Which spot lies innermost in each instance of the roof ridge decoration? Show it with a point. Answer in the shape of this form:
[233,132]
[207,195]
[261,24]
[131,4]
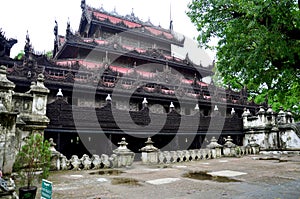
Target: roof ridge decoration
[6,44]
[130,17]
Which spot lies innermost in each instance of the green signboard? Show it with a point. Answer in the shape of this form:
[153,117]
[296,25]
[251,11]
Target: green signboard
[46,192]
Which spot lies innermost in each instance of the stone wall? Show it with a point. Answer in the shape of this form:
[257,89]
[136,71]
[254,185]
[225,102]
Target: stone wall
[272,130]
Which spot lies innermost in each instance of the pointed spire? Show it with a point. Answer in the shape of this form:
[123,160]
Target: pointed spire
[27,47]
[171,21]
[68,30]
[55,49]
[101,8]
[83,4]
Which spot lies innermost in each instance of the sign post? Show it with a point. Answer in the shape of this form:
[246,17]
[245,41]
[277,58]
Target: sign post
[46,192]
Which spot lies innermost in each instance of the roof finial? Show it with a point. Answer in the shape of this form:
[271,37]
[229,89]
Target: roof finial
[171,21]
[82,4]
[101,8]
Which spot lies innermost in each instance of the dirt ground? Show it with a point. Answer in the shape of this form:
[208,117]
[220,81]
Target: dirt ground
[255,176]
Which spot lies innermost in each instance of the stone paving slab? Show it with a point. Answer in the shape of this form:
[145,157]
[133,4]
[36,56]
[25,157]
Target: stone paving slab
[227,173]
[162,181]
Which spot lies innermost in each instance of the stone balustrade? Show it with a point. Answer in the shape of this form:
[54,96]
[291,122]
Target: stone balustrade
[123,157]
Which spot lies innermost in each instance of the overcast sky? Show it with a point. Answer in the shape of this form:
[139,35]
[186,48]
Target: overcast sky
[38,16]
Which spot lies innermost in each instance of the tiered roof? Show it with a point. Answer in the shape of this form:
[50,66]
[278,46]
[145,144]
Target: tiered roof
[127,23]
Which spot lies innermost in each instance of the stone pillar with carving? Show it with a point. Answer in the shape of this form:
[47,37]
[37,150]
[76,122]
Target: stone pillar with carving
[37,121]
[216,149]
[7,123]
[55,156]
[149,153]
[229,147]
[124,156]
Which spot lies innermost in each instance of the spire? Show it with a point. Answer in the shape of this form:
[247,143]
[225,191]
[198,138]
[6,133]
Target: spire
[55,49]
[68,30]
[27,47]
[171,21]
[83,4]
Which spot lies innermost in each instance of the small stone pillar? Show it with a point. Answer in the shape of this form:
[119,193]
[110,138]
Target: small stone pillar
[8,116]
[271,120]
[124,157]
[245,116]
[261,114]
[55,156]
[216,149]
[229,147]
[149,153]
[39,92]
[254,146]
[281,116]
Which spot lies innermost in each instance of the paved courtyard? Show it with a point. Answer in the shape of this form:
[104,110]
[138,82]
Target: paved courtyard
[255,176]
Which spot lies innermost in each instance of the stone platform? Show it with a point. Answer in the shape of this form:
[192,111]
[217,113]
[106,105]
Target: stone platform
[254,176]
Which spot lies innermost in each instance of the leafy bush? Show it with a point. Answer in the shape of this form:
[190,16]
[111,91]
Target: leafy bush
[34,157]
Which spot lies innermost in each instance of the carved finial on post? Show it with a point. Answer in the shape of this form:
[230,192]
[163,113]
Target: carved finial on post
[145,103]
[232,111]
[216,108]
[172,107]
[108,99]
[59,93]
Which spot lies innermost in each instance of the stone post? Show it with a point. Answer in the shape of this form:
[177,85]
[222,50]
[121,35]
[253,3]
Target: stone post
[149,153]
[254,146]
[8,118]
[55,156]
[245,116]
[271,116]
[124,156]
[37,121]
[261,114]
[229,147]
[216,149]
[281,116]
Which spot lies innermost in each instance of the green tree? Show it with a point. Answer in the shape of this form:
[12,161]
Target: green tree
[258,46]
[34,155]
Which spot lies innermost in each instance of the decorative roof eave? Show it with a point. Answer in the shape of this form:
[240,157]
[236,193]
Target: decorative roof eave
[123,52]
[188,60]
[61,50]
[138,32]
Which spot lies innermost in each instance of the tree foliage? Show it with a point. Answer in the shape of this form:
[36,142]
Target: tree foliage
[258,47]
[34,155]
